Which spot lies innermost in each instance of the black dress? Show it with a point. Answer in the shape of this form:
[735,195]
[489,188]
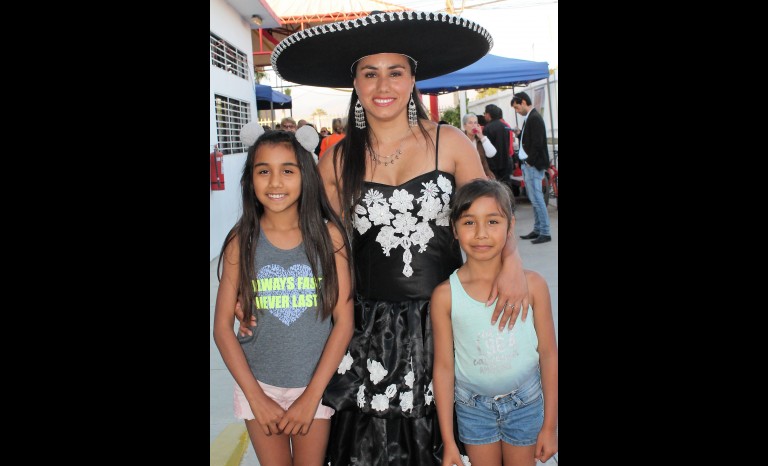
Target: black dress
[403,247]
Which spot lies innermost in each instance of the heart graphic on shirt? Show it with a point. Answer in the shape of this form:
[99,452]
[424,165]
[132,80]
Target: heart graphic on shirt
[278,287]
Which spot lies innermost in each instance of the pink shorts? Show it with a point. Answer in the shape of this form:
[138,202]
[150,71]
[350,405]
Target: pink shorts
[282,396]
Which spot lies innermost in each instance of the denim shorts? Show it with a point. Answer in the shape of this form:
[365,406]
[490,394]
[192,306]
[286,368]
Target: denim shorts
[516,417]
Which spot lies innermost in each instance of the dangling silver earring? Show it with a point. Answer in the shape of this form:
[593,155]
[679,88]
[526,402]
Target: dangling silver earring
[359,115]
[412,117]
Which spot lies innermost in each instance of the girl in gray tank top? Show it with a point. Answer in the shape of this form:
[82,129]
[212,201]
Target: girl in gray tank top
[286,262]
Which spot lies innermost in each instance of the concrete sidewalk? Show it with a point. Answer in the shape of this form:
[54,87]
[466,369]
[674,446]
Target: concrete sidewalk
[230,445]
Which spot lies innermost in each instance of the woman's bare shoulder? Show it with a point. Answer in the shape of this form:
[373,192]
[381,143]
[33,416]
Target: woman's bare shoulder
[453,139]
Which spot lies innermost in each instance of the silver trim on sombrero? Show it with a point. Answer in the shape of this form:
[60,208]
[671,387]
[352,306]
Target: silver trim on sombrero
[372,19]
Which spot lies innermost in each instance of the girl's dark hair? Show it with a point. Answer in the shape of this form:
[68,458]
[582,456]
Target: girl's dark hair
[352,149]
[314,210]
[468,193]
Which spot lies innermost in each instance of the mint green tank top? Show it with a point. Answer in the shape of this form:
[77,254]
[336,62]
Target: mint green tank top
[489,362]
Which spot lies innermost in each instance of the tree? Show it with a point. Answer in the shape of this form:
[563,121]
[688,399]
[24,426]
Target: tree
[259,75]
[452,116]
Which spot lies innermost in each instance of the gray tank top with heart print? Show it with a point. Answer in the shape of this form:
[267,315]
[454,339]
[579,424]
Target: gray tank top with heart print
[289,336]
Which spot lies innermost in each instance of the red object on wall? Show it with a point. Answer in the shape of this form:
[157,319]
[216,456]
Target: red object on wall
[217,175]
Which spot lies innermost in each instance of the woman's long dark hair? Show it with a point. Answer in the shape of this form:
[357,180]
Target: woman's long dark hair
[352,150]
[314,210]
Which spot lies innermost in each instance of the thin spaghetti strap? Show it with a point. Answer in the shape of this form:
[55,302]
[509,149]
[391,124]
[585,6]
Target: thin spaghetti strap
[437,143]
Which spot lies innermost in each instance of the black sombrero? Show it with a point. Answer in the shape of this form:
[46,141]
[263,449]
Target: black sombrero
[323,55]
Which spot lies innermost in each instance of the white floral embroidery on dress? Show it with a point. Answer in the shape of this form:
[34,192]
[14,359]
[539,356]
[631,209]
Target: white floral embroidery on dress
[428,394]
[443,218]
[361,396]
[406,400]
[387,239]
[401,200]
[405,224]
[422,235]
[346,364]
[445,185]
[405,230]
[380,402]
[380,214]
[373,197]
[430,208]
[391,391]
[362,224]
[409,378]
[377,371]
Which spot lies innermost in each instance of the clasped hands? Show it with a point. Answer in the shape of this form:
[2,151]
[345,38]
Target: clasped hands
[273,419]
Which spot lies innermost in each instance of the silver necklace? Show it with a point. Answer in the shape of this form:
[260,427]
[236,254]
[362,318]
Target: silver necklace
[387,159]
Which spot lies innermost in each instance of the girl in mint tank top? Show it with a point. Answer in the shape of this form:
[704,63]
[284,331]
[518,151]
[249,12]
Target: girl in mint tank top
[503,383]
[286,261]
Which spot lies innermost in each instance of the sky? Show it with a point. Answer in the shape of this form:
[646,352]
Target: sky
[522,29]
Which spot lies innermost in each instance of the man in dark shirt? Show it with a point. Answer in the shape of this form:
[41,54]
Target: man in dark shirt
[498,134]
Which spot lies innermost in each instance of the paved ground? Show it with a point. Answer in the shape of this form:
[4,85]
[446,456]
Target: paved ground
[539,257]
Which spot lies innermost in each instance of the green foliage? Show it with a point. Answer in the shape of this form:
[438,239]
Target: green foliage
[452,116]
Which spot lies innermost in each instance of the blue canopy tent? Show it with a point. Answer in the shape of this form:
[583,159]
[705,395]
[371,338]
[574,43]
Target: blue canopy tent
[490,71]
[269,99]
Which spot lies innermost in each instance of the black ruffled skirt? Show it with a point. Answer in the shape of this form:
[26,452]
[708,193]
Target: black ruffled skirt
[385,407]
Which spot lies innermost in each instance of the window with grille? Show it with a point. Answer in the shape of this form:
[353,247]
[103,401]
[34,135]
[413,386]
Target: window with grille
[231,115]
[227,57]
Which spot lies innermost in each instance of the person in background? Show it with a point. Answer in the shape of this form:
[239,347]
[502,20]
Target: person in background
[515,169]
[512,144]
[485,149]
[287,238]
[498,133]
[323,134]
[391,179]
[288,124]
[504,386]
[534,160]
[338,134]
[301,123]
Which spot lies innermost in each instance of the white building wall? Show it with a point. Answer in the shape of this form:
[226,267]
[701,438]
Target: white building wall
[226,205]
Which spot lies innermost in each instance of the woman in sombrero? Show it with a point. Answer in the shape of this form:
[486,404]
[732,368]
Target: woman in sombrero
[391,179]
